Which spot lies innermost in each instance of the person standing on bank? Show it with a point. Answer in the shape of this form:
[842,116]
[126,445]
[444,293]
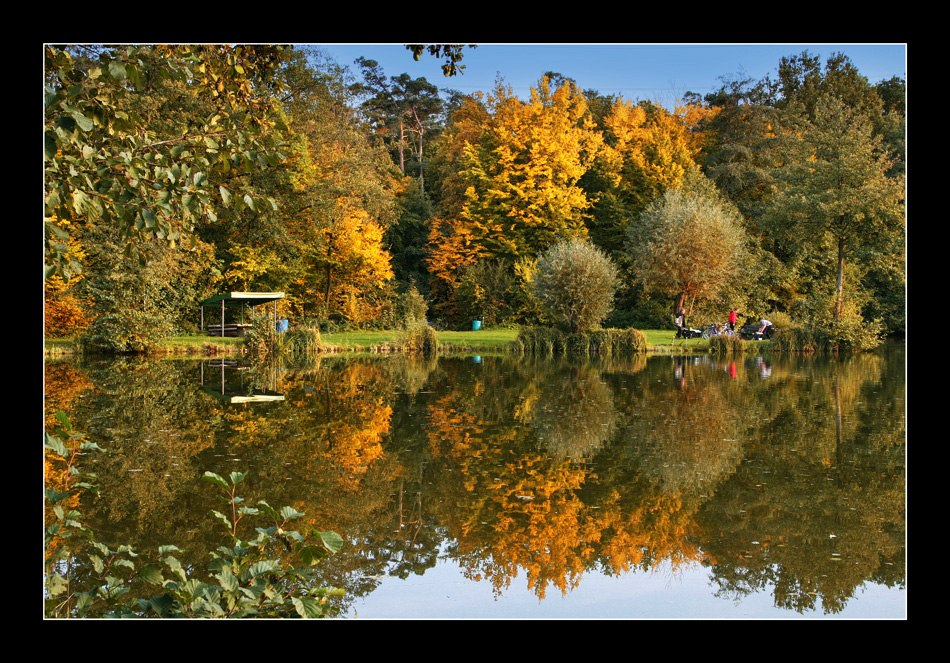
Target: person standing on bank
[733,315]
[681,323]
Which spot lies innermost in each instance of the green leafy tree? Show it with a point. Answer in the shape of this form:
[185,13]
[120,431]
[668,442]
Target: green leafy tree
[105,163]
[833,190]
[405,108]
[135,305]
[450,53]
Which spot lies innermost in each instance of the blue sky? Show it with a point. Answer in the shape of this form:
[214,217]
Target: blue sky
[657,72]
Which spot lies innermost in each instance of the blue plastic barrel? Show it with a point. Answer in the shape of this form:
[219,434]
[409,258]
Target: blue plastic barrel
[476,325]
[282,325]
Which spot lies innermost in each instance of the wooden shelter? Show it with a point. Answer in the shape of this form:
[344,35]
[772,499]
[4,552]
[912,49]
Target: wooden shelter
[234,300]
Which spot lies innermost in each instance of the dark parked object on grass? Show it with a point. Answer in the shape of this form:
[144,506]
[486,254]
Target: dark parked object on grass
[688,333]
[752,333]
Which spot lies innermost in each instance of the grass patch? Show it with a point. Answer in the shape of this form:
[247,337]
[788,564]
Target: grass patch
[484,340]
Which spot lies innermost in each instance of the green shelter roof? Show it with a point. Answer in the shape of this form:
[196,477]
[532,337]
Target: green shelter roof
[240,298]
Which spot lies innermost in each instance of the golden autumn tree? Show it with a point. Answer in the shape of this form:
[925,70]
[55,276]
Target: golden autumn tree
[646,150]
[522,176]
[516,185]
[514,508]
[64,312]
[344,201]
[352,261]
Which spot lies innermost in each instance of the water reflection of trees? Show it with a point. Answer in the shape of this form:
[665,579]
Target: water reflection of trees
[817,508]
[544,470]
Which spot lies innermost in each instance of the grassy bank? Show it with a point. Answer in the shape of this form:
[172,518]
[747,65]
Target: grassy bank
[497,340]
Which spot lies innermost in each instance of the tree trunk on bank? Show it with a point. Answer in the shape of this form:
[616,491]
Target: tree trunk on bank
[680,301]
[839,287]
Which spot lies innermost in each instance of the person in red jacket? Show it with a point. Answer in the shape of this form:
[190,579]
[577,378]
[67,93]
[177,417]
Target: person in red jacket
[732,318]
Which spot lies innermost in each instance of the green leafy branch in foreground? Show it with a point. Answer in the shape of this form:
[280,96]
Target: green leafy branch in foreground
[270,575]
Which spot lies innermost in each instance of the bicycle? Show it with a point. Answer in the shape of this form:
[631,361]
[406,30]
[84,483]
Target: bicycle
[716,329]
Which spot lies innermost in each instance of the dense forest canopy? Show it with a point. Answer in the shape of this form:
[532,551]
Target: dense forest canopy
[173,173]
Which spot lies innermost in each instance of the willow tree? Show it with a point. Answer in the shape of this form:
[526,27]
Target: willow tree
[575,284]
[688,244]
[833,191]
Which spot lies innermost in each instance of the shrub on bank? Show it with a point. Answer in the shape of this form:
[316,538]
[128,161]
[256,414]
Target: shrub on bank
[551,341]
[726,345]
[419,338]
[820,334]
[302,342]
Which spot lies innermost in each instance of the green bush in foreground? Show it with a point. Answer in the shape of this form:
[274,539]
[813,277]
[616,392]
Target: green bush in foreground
[269,575]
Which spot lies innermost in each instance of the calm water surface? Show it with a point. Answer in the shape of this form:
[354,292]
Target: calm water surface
[495,487]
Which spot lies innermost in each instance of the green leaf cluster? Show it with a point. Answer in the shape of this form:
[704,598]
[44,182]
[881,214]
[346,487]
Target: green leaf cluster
[268,575]
[104,161]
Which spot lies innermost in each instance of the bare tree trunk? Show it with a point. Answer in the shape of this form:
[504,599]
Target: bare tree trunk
[402,142]
[419,156]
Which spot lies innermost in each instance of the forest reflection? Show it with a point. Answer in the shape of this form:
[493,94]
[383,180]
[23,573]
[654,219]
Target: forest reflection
[783,476]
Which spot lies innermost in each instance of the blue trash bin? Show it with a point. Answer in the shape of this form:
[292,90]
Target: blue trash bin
[476,325]
[283,325]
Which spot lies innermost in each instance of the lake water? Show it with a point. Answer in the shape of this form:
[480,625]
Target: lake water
[507,488]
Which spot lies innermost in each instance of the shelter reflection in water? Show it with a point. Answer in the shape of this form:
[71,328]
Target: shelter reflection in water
[225,379]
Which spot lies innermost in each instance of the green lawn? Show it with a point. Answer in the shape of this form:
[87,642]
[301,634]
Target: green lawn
[484,340]
[492,339]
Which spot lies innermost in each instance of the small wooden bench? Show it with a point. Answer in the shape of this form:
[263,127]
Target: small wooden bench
[229,330]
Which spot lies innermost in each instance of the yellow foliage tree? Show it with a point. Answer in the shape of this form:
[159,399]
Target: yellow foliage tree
[521,178]
[344,260]
[514,185]
[353,261]
[646,150]
[64,313]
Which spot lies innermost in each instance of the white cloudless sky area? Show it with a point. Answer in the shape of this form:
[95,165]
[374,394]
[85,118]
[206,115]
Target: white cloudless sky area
[654,72]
